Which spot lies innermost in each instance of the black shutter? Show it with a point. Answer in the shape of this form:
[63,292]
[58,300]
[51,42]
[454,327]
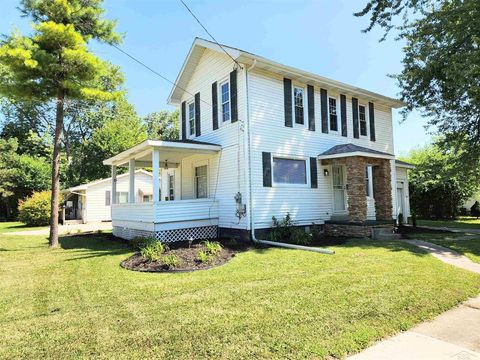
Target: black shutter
[371,114]
[287,101]
[323,104]
[184,120]
[233,96]
[311,107]
[313,173]
[267,169]
[356,134]
[343,110]
[197,114]
[214,106]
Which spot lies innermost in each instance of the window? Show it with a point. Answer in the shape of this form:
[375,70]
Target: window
[191,117]
[362,114]
[147,198]
[298,95]
[289,171]
[107,198]
[225,100]
[332,111]
[368,180]
[171,187]
[122,197]
[201,181]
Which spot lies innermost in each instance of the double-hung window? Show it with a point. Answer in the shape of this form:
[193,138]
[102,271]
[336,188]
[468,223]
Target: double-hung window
[201,182]
[191,117]
[225,100]
[362,115]
[332,112]
[289,171]
[298,105]
[122,197]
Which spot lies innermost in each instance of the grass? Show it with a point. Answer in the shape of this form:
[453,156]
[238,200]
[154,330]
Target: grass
[470,248]
[6,227]
[463,222]
[77,302]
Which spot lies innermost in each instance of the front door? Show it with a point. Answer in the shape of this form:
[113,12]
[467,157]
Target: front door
[338,189]
[400,202]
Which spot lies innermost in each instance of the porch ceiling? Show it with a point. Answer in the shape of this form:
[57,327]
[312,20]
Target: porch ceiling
[171,151]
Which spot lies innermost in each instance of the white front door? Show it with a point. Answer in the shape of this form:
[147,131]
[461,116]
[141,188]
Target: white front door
[338,189]
[400,202]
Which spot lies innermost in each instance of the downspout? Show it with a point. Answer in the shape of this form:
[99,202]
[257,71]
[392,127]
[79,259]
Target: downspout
[249,184]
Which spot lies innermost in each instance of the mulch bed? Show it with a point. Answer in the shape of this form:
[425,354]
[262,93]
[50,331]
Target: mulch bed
[187,256]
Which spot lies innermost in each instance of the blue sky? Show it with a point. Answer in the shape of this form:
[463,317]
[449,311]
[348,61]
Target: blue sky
[320,36]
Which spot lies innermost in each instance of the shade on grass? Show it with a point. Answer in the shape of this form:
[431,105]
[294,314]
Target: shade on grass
[469,248]
[275,303]
[6,227]
[463,222]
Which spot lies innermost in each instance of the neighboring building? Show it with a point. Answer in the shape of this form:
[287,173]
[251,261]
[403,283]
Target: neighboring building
[91,202]
[263,139]
[467,205]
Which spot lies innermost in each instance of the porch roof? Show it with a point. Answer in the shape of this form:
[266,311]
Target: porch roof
[172,151]
[347,150]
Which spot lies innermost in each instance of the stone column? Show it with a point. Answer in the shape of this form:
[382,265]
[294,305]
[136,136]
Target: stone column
[382,189]
[356,190]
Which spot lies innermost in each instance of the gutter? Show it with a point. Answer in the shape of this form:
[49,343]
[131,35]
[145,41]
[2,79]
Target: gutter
[249,185]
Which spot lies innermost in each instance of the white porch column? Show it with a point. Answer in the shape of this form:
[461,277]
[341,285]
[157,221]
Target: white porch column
[156,174]
[114,184]
[131,181]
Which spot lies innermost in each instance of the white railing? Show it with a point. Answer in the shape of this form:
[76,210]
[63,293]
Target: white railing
[141,212]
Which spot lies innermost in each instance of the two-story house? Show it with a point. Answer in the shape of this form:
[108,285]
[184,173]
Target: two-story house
[262,139]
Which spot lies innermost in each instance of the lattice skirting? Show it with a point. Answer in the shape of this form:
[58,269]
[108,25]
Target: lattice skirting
[197,233]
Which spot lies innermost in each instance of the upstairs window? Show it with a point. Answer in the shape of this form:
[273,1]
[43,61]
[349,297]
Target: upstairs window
[298,98]
[289,171]
[362,115]
[225,100]
[191,117]
[332,112]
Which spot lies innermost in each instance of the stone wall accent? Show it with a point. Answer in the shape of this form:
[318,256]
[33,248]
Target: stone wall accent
[348,230]
[382,189]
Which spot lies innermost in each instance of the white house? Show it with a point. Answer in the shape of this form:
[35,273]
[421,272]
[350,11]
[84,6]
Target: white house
[262,139]
[91,202]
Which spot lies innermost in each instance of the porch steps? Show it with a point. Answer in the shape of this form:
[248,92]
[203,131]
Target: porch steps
[385,233]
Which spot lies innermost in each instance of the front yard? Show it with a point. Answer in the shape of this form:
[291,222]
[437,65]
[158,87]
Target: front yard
[464,222]
[275,303]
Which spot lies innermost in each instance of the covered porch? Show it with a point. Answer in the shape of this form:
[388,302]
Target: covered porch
[182,205]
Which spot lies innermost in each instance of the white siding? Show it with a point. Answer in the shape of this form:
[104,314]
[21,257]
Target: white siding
[401,180]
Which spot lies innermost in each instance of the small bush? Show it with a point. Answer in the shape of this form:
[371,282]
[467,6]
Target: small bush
[139,243]
[35,210]
[153,250]
[170,261]
[285,231]
[203,257]
[300,237]
[213,247]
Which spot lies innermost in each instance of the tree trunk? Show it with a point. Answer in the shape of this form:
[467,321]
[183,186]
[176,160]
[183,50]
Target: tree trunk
[53,239]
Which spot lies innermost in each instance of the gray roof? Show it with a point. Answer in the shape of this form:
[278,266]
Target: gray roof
[400,162]
[350,148]
[187,141]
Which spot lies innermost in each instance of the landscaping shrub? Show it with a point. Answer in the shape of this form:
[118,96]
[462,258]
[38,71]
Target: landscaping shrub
[285,231]
[35,210]
[213,247]
[203,256]
[170,261]
[153,250]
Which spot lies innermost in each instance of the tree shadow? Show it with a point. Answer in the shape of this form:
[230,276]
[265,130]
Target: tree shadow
[94,245]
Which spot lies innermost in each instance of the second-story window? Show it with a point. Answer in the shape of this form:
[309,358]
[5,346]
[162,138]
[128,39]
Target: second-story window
[332,112]
[191,117]
[362,114]
[298,96]
[225,100]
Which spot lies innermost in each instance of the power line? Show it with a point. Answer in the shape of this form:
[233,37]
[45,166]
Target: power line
[204,28]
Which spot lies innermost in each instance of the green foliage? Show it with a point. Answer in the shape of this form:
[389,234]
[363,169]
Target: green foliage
[170,261]
[35,210]
[212,247]
[203,256]
[285,231]
[441,61]
[152,250]
[475,209]
[162,125]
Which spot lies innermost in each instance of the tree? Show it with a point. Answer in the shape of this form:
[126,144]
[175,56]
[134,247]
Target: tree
[162,125]
[8,163]
[441,63]
[55,64]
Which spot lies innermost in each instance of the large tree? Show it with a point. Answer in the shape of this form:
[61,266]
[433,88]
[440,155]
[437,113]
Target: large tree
[162,125]
[54,64]
[441,64]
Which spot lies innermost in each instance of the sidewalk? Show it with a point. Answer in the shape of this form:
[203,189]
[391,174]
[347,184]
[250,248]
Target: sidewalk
[453,335]
[68,229]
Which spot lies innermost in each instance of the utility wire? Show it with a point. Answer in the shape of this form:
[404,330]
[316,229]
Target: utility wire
[204,28]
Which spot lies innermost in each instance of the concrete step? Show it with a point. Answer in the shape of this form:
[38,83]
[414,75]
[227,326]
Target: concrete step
[384,233]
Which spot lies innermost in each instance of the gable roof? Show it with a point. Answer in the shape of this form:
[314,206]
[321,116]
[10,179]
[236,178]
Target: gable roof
[95,182]
[244,57]
[344,150]
[400,163]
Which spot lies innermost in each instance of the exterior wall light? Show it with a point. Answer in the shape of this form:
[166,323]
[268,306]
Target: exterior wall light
[325,172]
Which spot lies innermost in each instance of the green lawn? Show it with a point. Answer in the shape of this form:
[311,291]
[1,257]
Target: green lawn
[77,302]
[464,222]
[469,248]
[6,227]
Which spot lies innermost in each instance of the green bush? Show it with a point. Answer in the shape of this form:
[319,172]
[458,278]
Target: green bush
[285,231]
[152,250]
[35,210]
[203,257]
[170,261]
[213,247]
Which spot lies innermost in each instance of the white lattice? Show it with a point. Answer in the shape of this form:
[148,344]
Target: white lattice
[198,233]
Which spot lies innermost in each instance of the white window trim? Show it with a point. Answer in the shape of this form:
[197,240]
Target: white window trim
[189,135]
[337,99]
[305,110]
[219,96]
[370,181]
[291,157]
[195,165]
[366,120]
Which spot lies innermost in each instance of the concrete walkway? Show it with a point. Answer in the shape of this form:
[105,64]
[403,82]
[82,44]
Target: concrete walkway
[453,335]
[68,229]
